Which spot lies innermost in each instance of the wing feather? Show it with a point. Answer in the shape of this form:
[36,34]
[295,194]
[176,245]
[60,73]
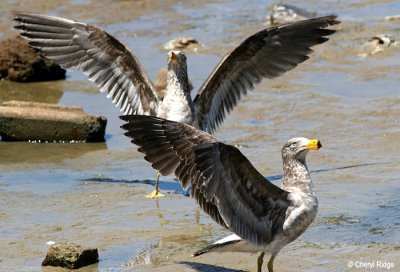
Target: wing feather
[246,201]
[104,60]
[173,142]
[266,54]
[223,182]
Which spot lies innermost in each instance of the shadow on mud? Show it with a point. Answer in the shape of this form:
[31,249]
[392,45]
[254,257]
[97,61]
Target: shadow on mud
[167,187]
[208,267]
[173,187]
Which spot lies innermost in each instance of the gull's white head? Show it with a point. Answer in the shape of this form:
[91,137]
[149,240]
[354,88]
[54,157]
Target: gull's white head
[176,58]
[297,148]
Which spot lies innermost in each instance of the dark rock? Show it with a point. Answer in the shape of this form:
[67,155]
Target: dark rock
[23,121]
[19,62]
[70,256]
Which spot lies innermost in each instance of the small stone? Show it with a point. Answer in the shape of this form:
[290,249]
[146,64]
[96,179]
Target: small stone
[70,255]
[19,62]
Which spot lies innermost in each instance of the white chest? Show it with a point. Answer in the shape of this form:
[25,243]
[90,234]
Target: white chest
[300,215]
[176,107]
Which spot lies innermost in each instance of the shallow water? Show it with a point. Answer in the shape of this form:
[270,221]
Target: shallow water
[92,194]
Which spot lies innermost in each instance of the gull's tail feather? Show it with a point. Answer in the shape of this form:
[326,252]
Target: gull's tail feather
[220,245]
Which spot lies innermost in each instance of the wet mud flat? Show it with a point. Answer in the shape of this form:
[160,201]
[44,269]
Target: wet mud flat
[92,194]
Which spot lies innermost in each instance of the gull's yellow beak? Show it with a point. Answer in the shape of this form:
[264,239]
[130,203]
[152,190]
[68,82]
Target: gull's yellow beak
[172,56]
[314,144]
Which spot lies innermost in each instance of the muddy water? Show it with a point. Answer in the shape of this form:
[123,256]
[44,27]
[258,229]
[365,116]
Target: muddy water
[92,194]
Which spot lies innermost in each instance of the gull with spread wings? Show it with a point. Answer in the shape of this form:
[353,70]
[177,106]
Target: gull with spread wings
[268,53]
[263,217]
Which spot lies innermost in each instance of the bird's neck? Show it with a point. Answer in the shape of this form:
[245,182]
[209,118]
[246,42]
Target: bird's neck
[177,104]
[303,199]
[177,83]
[296,175]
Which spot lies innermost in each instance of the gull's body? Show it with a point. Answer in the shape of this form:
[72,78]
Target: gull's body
[263,217]
[177,104]
[115,69]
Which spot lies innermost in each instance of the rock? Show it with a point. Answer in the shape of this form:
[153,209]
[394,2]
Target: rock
[19,62]
[161,82]
[70,256]
[181,43]
[23,121]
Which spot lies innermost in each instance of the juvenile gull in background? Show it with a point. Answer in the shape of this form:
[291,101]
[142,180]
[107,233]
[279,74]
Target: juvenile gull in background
[268,53]
[376,44]
[263,217]
[283,14]
[181,43]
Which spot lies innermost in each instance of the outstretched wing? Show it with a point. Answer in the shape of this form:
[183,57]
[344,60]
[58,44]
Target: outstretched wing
[224,182]
[160,140]
[167,146]
[102,58]
[250,205]
[266,54]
